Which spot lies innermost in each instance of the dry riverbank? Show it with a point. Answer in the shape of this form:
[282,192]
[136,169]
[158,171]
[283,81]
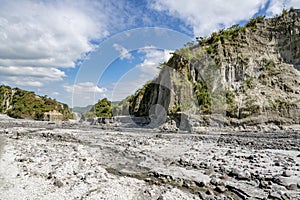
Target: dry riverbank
[71,161]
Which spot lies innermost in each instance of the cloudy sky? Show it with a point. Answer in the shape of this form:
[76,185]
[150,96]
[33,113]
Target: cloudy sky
[80,51]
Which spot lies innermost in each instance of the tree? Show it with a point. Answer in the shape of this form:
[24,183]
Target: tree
[103,108]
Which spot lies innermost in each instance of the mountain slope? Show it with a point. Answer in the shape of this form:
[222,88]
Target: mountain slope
[19,103]
[242,75]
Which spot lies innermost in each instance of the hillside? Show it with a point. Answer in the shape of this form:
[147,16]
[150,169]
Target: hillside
[240,76]
[23,104]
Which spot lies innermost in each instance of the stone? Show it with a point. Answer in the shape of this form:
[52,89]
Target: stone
[202,195]
[274,195]
[234,172]
[263,184]
[277,163]
[287,173]
[209,192]
[223,177]
[214,181]
[285,196]
[201,183]
[58,183]
[292,187]
[245,175]
[221,189]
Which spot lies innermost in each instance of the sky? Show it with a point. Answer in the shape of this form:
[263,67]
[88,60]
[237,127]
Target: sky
[78,52]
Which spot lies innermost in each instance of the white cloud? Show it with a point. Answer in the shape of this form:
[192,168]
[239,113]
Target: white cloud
[49,74]
[152,59]
[55,93]
[24,81]
[36,37]
[84,93]
[207,16]
[276,6]
[30,76]
[83,88]
[143,72]
[124,53]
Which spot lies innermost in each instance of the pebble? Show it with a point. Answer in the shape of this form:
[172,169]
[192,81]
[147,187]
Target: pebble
[214,181]
[58,183]
[221,189]
[285,196]
[287,173]
[223,177]
[274,195]
[209,192]
[277,163]
[246,175]
[292,187]
[201,183]
[234,172]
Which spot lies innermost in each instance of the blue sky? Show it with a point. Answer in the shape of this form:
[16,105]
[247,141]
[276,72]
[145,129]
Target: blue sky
[80,51]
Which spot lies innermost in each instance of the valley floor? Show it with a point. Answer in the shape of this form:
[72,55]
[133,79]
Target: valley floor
[40,160]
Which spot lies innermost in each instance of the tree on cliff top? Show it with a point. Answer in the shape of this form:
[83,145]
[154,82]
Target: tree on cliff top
[103,108]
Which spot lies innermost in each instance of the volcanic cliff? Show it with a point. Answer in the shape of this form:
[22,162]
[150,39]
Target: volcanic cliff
[241,75]
[18,103]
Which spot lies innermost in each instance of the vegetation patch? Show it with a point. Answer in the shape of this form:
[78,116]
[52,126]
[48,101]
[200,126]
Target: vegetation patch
[103,108]
[203,96]
[19,103]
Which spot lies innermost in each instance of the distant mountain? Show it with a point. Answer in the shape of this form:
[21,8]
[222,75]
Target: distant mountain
[242,75]
[18,103]
[82,110]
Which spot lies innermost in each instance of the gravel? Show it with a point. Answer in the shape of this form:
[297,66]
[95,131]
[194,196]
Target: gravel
[43,160]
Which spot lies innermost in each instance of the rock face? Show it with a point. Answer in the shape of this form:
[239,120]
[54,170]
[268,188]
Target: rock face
[23,104]
[53,116]
[242,75]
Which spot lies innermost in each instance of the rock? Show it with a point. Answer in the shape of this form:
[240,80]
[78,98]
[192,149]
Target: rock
[224,177]
[234,172]
[245,175]
[214,181]
[287,173]
[263,184]
[201,183]
[277,163]
[292,187]
[274,195]
[209,171]
[221,189]
[202,196]
[58,183]
[280,181]
[169,126]
[285,196]
[209,192]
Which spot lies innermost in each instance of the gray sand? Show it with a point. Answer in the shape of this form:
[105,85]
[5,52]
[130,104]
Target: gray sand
[2,144]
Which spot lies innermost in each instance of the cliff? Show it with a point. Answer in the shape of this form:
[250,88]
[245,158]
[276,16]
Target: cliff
[241,75]
[23,104]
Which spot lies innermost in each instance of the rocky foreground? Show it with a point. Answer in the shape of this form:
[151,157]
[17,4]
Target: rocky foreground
[41,160]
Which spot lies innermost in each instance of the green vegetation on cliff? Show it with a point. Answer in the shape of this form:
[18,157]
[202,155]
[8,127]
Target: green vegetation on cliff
[103,108]
[23,104]
[241,72]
